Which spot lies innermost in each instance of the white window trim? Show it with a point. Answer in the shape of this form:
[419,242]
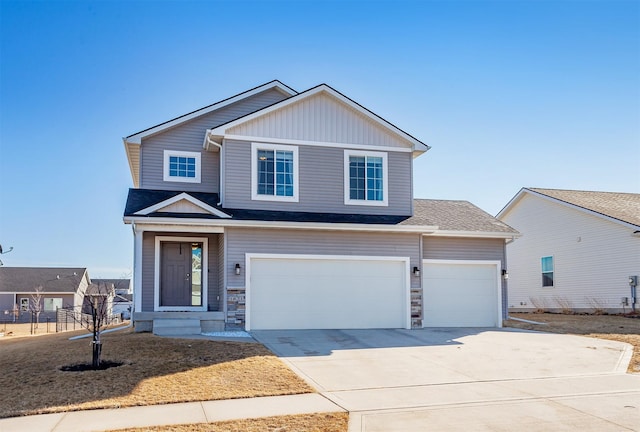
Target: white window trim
[385,179]
[205,272]
[254,172]
[553,272]
[168,153]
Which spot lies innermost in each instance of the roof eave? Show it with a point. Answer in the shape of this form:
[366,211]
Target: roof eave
[278,224]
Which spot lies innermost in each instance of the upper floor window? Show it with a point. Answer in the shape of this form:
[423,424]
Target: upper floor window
[274,172]
[547,271]
[365,178]
[181,166]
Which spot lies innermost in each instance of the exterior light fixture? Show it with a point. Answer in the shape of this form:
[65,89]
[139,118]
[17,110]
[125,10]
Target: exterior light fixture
[505,274]
[237,268]
[416,271]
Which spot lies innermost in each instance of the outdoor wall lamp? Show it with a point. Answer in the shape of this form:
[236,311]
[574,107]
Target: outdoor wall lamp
[416,271]
[505,274]
[237,268]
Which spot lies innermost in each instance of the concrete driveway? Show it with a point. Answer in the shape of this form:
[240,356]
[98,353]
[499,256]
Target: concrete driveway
[466,379]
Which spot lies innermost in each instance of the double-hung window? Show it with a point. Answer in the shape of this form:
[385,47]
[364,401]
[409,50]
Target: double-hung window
[181,166]
[547,271]
[365,178]
[274,172]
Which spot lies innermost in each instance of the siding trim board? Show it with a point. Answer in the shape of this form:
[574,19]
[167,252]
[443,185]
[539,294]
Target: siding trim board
[316,143]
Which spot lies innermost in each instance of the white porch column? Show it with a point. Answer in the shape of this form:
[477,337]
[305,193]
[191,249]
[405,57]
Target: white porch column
[137,268]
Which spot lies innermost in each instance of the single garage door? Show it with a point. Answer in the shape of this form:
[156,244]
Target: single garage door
[303,292]
[461,294]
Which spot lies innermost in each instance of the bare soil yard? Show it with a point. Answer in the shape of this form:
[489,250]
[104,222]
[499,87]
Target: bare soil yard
[321,422]
[613,327]
[155,371]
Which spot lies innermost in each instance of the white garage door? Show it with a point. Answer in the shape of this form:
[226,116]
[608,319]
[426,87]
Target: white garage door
[302,292]
[461,294]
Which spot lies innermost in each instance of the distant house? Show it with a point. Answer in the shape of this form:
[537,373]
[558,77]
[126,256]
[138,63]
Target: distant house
[577,250]
[123,297]
[99,296]
[60,288]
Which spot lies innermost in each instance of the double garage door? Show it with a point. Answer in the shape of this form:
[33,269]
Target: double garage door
[311,292]
[314,292]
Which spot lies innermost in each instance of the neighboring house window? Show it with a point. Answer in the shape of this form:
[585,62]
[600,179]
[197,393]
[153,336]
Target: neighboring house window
[181,166]
[51,304]
[24,304]
[365,178]
[547,271]
[274,172]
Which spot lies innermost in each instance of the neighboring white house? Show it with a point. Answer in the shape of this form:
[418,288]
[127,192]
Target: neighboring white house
[577,251]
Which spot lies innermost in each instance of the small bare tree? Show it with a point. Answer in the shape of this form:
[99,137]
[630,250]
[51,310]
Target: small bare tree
[96,316]
[35,305]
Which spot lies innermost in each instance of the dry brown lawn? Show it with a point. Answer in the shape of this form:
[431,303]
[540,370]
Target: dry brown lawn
[155,371]
[613,327]
[321,422]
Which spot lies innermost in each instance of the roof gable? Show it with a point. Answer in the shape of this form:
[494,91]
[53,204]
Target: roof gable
[320,114]
[182,203]
[133,142]
[615,206]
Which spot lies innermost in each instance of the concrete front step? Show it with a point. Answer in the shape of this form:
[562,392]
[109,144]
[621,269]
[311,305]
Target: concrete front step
[176,327]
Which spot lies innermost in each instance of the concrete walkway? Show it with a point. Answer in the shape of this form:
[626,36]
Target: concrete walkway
[172,414]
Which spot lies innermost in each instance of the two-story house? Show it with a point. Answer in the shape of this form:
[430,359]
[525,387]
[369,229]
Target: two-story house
[274,209]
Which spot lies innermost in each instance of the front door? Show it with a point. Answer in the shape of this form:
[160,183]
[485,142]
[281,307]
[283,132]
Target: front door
[181,274]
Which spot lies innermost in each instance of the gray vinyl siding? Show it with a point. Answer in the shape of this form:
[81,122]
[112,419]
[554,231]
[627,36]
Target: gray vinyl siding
[454,248]
[321,182]
[190,137]
[148,263]
[310,242]
[220,270]
[6,304]
[458,248]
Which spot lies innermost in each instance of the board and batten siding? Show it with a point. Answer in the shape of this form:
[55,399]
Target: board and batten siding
[148,269]
[321,182]
[189,136]
[321,118]
[467,248]
[593,257]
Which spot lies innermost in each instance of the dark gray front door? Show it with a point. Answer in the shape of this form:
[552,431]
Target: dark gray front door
[175,280]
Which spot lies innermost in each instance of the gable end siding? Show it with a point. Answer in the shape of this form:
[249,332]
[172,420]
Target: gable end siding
[321,182]
[189,137]
[320,118]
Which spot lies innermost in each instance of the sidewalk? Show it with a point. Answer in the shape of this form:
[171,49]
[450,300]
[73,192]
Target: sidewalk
[171,414]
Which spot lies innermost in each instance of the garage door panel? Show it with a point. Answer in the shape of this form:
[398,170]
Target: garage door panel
[460,295]
[327,293]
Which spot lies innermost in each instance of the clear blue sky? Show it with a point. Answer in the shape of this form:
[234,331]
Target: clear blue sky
[508,94]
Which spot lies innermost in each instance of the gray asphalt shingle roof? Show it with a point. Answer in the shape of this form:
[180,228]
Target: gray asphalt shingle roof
[51,279]
[622,206]
[452,215]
